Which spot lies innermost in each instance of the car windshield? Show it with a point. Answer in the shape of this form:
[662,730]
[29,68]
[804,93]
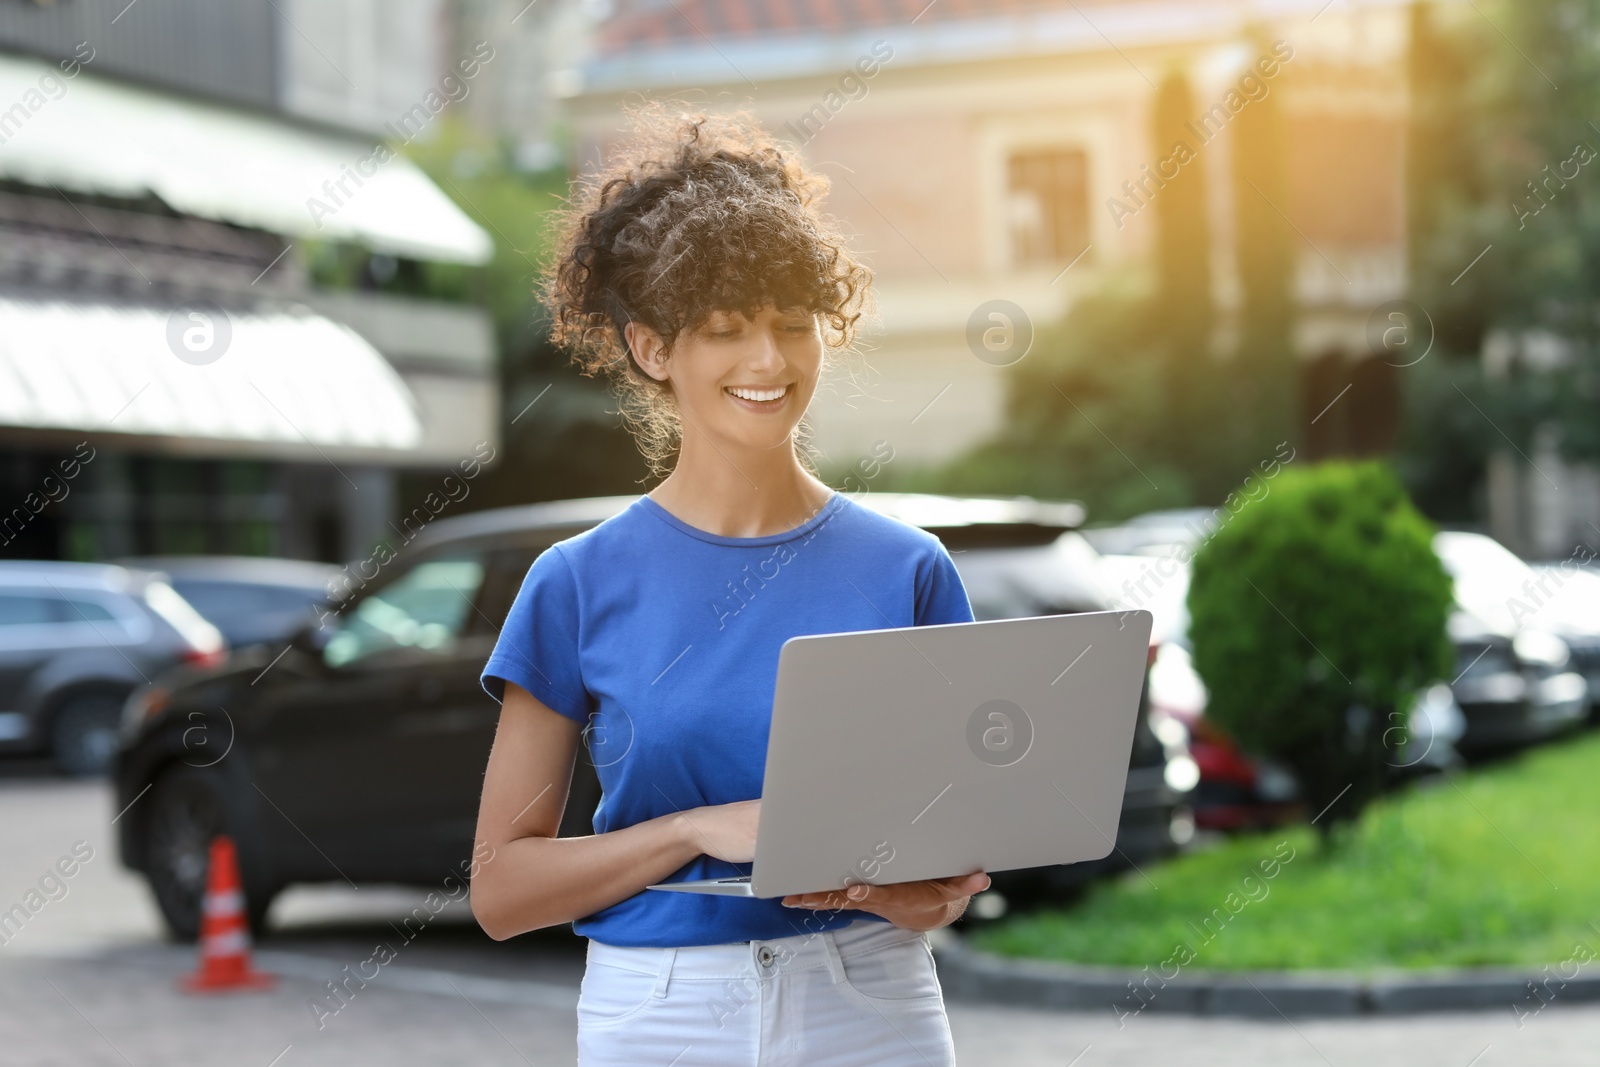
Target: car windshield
[1489,578]
[422,609]
[1157,583]
[1575,596]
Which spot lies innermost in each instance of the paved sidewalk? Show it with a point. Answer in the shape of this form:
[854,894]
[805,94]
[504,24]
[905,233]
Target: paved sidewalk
[85,1013]
[125,1012]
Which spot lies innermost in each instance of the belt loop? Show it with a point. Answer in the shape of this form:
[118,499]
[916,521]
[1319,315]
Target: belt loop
[835,962]
[669,956]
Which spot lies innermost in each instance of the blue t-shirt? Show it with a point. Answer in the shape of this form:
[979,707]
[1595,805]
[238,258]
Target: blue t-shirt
[663,640]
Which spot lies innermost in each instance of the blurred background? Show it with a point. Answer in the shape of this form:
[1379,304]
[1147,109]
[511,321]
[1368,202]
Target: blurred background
[1175,298]
[1197,306]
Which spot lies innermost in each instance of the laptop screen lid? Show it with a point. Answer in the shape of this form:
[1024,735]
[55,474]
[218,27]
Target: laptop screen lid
[932,751]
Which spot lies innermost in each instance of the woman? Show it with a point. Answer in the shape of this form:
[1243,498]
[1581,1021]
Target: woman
[699,273]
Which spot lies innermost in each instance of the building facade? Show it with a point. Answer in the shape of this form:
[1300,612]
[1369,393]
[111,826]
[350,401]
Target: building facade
[1003,151]
[174,376]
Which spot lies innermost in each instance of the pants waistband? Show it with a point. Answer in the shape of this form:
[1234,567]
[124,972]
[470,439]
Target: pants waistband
[762,958]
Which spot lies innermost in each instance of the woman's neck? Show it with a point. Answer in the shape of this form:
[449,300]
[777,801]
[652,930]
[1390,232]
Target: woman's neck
[741,493]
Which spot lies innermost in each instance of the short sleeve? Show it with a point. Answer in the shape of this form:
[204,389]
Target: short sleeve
[538,646]
[941,598]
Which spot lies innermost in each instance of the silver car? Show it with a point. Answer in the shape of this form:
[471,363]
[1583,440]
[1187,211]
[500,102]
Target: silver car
[1517,681]
[75,640]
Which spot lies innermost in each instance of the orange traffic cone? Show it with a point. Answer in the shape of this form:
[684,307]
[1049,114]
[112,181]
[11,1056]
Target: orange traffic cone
[224,932]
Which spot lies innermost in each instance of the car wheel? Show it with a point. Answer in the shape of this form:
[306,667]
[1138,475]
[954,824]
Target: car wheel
[83,734]
[187,810]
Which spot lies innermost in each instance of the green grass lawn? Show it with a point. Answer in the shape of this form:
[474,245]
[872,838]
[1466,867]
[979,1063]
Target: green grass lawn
[1497,866]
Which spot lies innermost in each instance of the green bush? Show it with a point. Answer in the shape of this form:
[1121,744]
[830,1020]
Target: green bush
[1317,613]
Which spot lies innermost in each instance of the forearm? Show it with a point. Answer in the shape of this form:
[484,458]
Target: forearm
[533,882]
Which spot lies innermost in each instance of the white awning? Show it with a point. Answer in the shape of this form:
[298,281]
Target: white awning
[288,383]
[90,135]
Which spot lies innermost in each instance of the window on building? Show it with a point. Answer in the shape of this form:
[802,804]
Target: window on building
[1048,206]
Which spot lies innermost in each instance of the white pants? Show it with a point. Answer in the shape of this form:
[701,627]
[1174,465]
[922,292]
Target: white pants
[863,995]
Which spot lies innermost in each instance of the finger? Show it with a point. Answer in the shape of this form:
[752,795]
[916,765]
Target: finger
[962,885]
[966,884]
[819,901]
[853,895]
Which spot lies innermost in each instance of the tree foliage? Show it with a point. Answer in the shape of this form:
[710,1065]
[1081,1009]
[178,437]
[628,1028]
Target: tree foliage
[1263,382]
[1085,417]
[1183,260]
[1505,163]
[562,437]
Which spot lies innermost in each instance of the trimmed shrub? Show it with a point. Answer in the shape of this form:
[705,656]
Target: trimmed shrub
[1317,614]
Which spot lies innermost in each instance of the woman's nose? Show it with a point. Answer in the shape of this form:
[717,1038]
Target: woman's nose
[768,354]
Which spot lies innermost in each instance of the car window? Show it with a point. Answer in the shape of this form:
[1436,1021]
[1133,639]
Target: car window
[423,610]
[47,620]
[21,609]
[80,610]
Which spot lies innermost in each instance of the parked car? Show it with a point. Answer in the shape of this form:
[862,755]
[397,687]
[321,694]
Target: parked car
[75,640]
[1577,599]
[1516,681]
[250,599]
[1155,532]
[359,754]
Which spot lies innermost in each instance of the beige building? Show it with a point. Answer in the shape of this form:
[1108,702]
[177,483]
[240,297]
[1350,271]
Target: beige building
[979,153]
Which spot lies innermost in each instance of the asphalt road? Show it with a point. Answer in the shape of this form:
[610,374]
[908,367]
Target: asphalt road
[90,980]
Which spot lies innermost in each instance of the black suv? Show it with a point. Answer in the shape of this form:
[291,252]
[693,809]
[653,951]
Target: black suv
[357,753]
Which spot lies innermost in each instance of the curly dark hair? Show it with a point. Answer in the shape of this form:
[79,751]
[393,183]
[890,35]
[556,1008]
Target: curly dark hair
[693,214]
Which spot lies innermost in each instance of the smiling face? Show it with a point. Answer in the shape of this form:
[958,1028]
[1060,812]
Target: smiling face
[742,382]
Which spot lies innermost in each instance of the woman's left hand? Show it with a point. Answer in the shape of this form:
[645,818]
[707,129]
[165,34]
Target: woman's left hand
[912,905]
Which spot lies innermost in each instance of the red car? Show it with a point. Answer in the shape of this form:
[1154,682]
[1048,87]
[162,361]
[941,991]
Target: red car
[1235,792]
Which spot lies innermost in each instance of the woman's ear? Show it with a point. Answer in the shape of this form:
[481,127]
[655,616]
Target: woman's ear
[649,351]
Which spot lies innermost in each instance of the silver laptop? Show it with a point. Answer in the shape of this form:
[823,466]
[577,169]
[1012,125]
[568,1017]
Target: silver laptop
[934,751]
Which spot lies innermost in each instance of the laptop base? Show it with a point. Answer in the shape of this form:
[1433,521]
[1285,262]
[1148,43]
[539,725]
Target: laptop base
[724,887]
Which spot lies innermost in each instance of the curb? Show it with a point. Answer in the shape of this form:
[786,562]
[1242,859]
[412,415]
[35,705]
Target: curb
[970,975]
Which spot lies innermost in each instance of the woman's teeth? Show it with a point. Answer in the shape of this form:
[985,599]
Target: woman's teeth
[758,394]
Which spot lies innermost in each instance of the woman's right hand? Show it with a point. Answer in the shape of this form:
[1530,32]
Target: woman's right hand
[724,831]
